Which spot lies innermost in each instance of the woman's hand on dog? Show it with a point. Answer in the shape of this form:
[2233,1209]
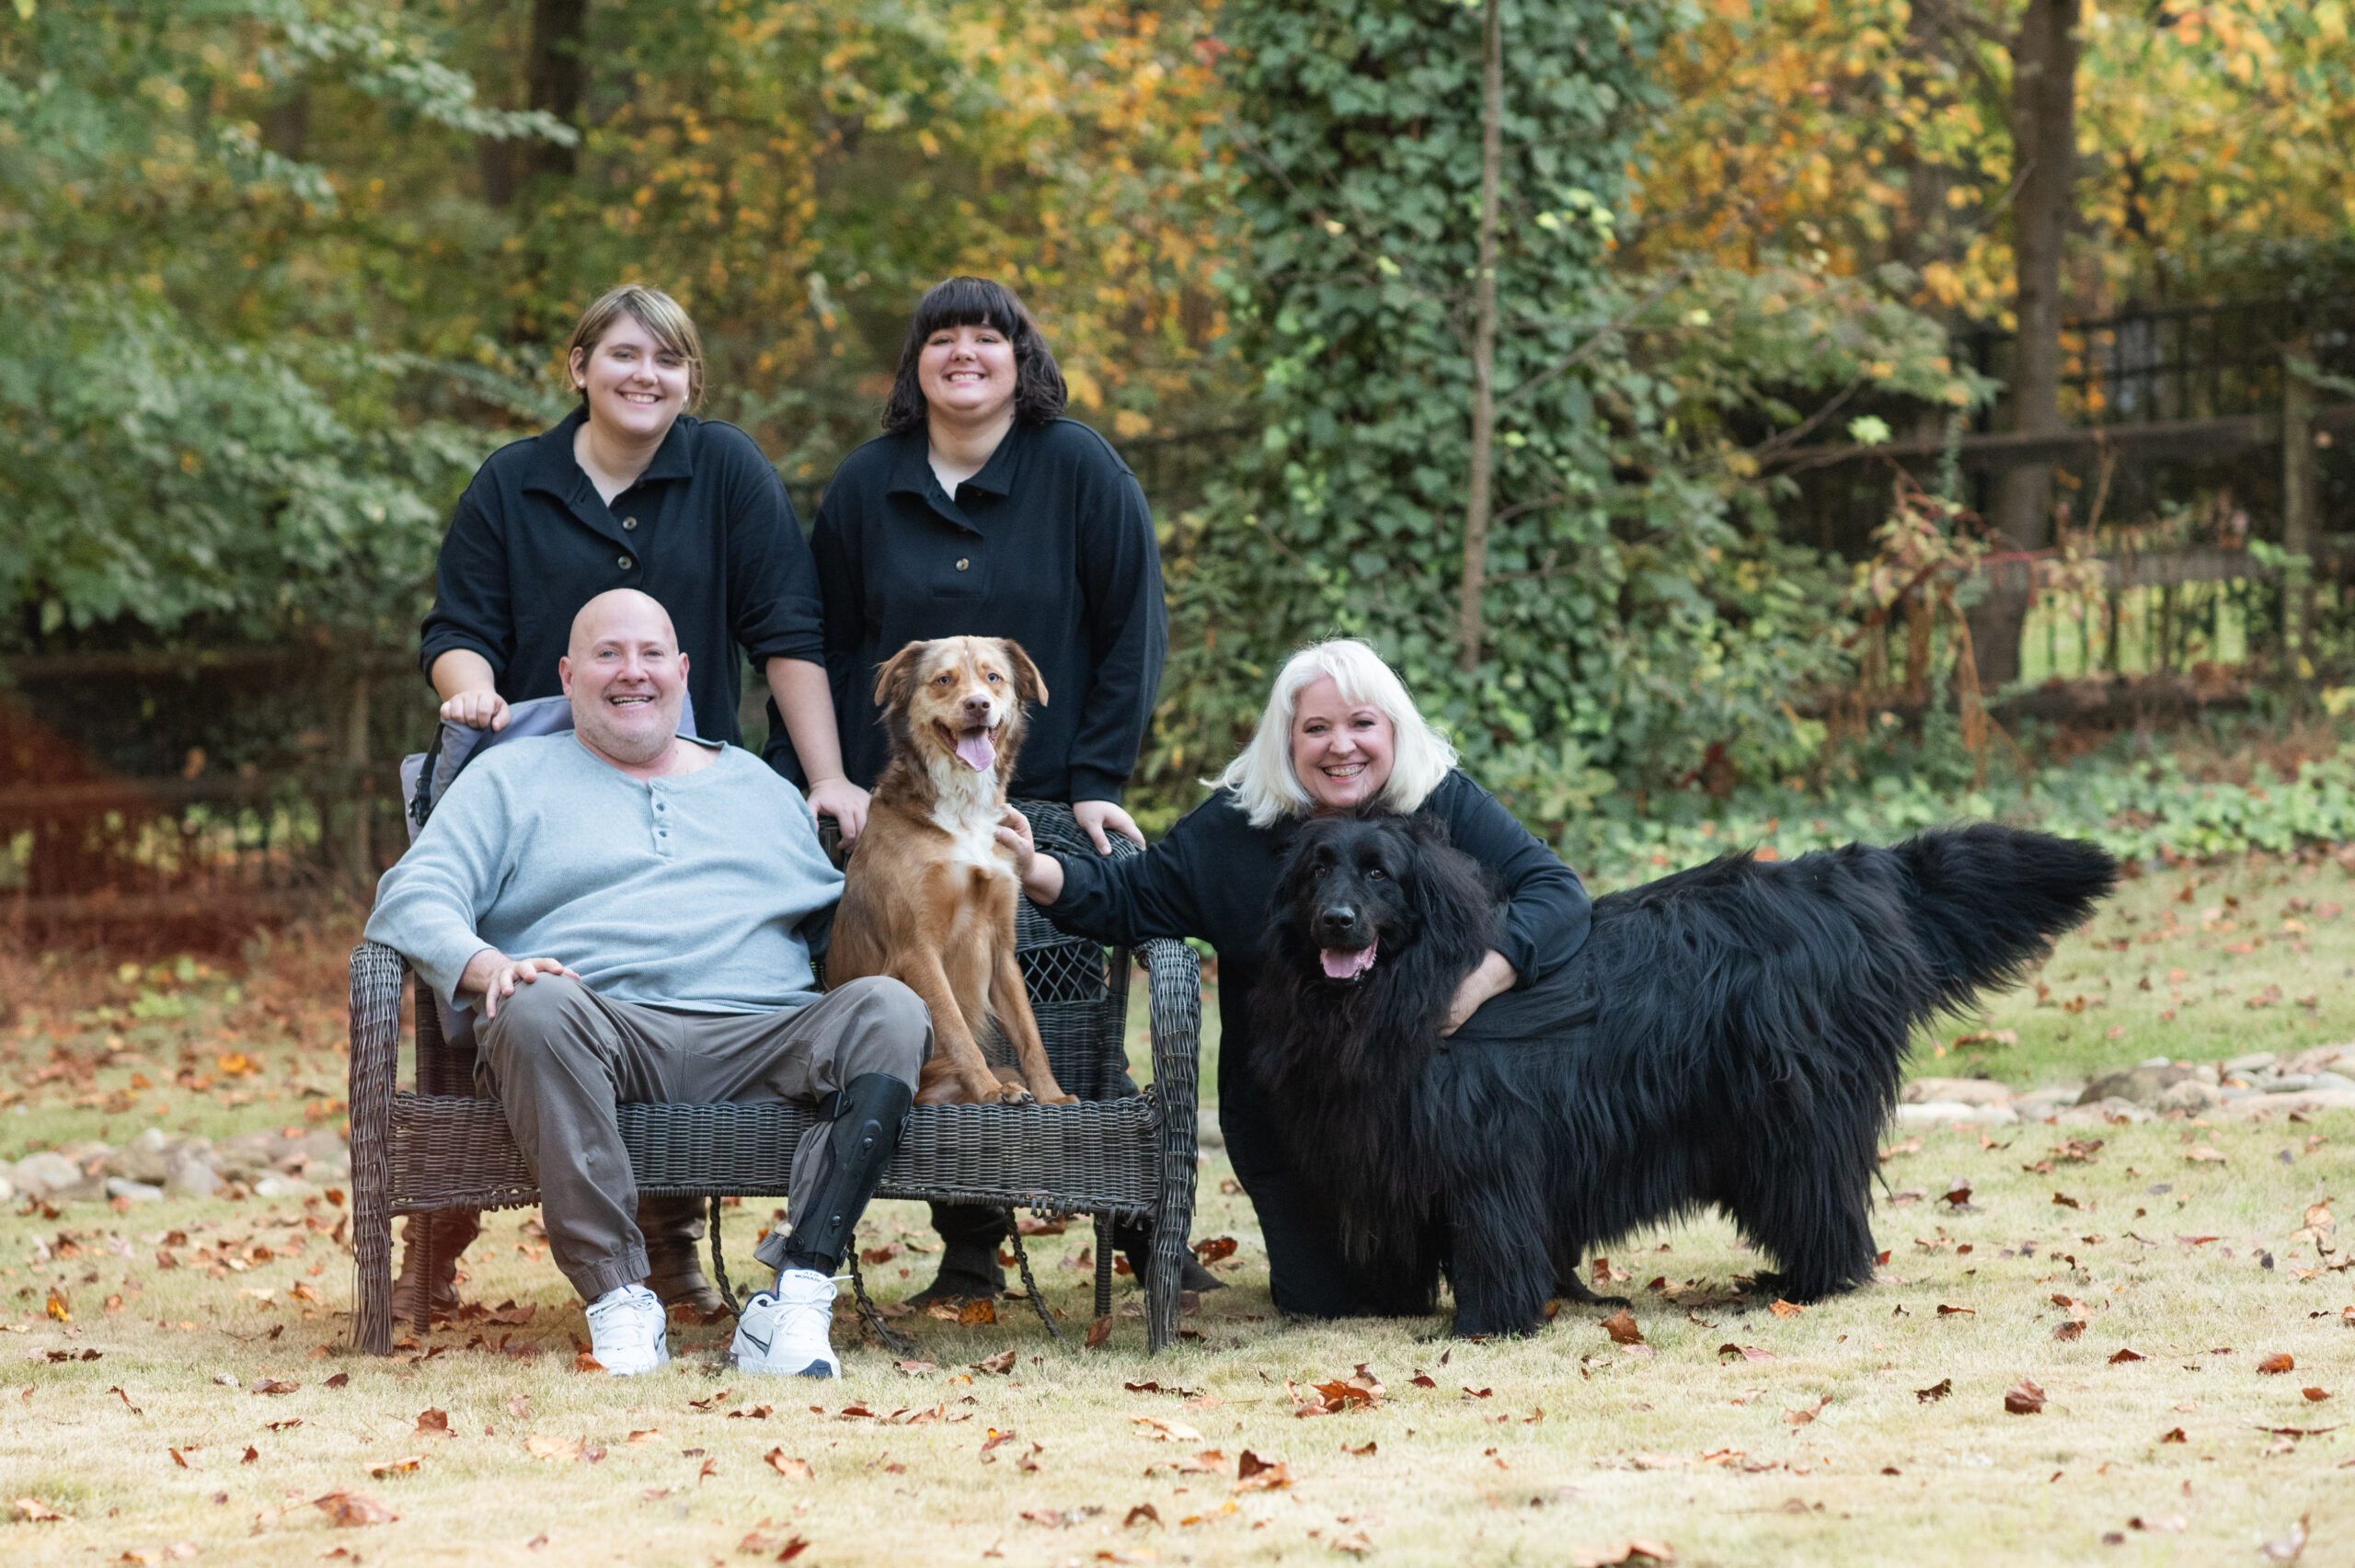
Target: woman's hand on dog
[492,975]
[1494,977]
[1095,815]
[1042,875]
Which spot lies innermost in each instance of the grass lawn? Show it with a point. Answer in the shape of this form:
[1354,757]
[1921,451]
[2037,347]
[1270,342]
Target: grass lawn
[1871,1428]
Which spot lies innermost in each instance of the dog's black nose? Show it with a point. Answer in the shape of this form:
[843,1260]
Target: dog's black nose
[1339,916]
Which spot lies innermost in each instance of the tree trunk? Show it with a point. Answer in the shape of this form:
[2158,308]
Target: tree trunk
[2298,509]
[554,75]
[2044,152]
[1484,341]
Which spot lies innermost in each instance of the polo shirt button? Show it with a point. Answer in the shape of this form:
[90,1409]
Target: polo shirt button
[629,523]
[962,564]
[623,562]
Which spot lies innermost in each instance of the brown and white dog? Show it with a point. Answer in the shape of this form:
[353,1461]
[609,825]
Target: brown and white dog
[929,896]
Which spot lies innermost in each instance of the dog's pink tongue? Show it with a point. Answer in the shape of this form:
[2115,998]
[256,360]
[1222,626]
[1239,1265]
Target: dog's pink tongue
[1342,964]
[976,752]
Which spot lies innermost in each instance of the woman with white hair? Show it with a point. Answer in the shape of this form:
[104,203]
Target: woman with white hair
[1340,732]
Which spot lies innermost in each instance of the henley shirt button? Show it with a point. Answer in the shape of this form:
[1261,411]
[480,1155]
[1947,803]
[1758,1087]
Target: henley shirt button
[629,523]
[623,562]
[962,564]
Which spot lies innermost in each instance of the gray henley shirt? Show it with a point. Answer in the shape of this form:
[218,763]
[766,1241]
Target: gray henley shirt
[695,891]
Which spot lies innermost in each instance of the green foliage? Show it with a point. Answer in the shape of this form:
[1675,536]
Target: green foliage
[2148,809]
[1643,621]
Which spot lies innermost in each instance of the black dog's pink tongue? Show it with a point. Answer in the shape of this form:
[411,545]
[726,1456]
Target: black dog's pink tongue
[1342,964]
[973,749]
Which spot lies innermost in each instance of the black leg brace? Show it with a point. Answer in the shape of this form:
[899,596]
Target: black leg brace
[864,1137]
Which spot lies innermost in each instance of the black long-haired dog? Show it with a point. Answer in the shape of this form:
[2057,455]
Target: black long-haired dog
[1729,1036]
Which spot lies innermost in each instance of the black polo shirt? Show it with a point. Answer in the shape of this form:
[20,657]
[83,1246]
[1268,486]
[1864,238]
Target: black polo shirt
[706,531]
[1050,545]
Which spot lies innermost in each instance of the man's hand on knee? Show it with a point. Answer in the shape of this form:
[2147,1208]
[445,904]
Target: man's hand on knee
[493,975]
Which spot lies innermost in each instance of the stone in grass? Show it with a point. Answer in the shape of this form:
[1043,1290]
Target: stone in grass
[2103,1112]
[53,1176]
[2189,1096]
[1942,1113]
[133,1192]
[1956,1090]
[187,1175]
[2143,1085]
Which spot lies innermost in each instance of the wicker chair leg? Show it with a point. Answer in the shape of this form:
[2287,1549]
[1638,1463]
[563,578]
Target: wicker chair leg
[371,1251]
[1104,1226]
[426,1233]
[376,1045]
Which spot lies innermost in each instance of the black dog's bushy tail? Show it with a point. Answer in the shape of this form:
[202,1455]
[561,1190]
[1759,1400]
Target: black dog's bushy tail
[1986,901]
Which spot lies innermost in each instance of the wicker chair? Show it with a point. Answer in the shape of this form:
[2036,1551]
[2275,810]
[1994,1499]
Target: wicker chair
[1118,1154]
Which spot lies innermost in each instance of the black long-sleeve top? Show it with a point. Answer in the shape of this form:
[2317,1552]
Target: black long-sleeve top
[706,531]
[1050,545]
[1213,875]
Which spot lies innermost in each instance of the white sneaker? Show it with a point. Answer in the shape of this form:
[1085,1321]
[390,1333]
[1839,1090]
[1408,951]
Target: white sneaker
[626,1332]
[786,1330]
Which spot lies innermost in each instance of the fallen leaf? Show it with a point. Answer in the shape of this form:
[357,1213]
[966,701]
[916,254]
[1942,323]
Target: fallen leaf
[2315,1395]
[338,1380]
[1747,1352]
[2163,1524]
[553,1448]
[1255,1474]
[1785,1309]
[275,1386]
[1166,1431]
[2173,1434]
[1622,1328]
[1000,1363]
[980,1310]
[2024,1397]
[2291,1545]
[1215,1248]
[1363,1453]
[1946,1311]
[181,1459]
[1209,1462]
[1936,1391]
[2200,1154]
[394,1467]
[33,1511]
[1097,1332]
[2276,1364]
[791,1550]
[126,1401]
[2070,1331]
[918,1368]
[646,1435]
[346,1509]
[433,1423]
[1142,1514]
[1804,1417]
[788,1466]
[2125,1355]
[585,1362]
[1638,1550]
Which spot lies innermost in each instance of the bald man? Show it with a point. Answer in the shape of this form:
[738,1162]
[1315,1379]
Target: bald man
[633,912]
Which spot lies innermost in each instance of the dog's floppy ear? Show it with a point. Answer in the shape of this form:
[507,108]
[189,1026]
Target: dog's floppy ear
[896,682]
[1029,686]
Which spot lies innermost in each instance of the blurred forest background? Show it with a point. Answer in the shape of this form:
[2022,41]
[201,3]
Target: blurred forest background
[1745,421]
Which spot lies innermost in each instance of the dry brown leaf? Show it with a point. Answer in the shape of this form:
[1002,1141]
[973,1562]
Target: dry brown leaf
[33,1511]
[554,1448]
[1097,1332]
[787,1466]
[2315,1395]
[1256,1474]
[1636,1550]
[980,1310]
[1935,1392]
[1142,1514]
[2200,1154]
[2174,1435]
[2072,1329]
[346,1509]
[1164,1431]
[584,1362]
[1365,1452]
[1214,1249]
[1209,1462]
[1623,1329]
[1747,1352]
[275,1386]
[2276,1364]
[2125,1355]
[646,1435]
[2024,1397]
[394,1467]
[1804,1417]
[433,1423]
[1000,1363]
[1785,1309]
